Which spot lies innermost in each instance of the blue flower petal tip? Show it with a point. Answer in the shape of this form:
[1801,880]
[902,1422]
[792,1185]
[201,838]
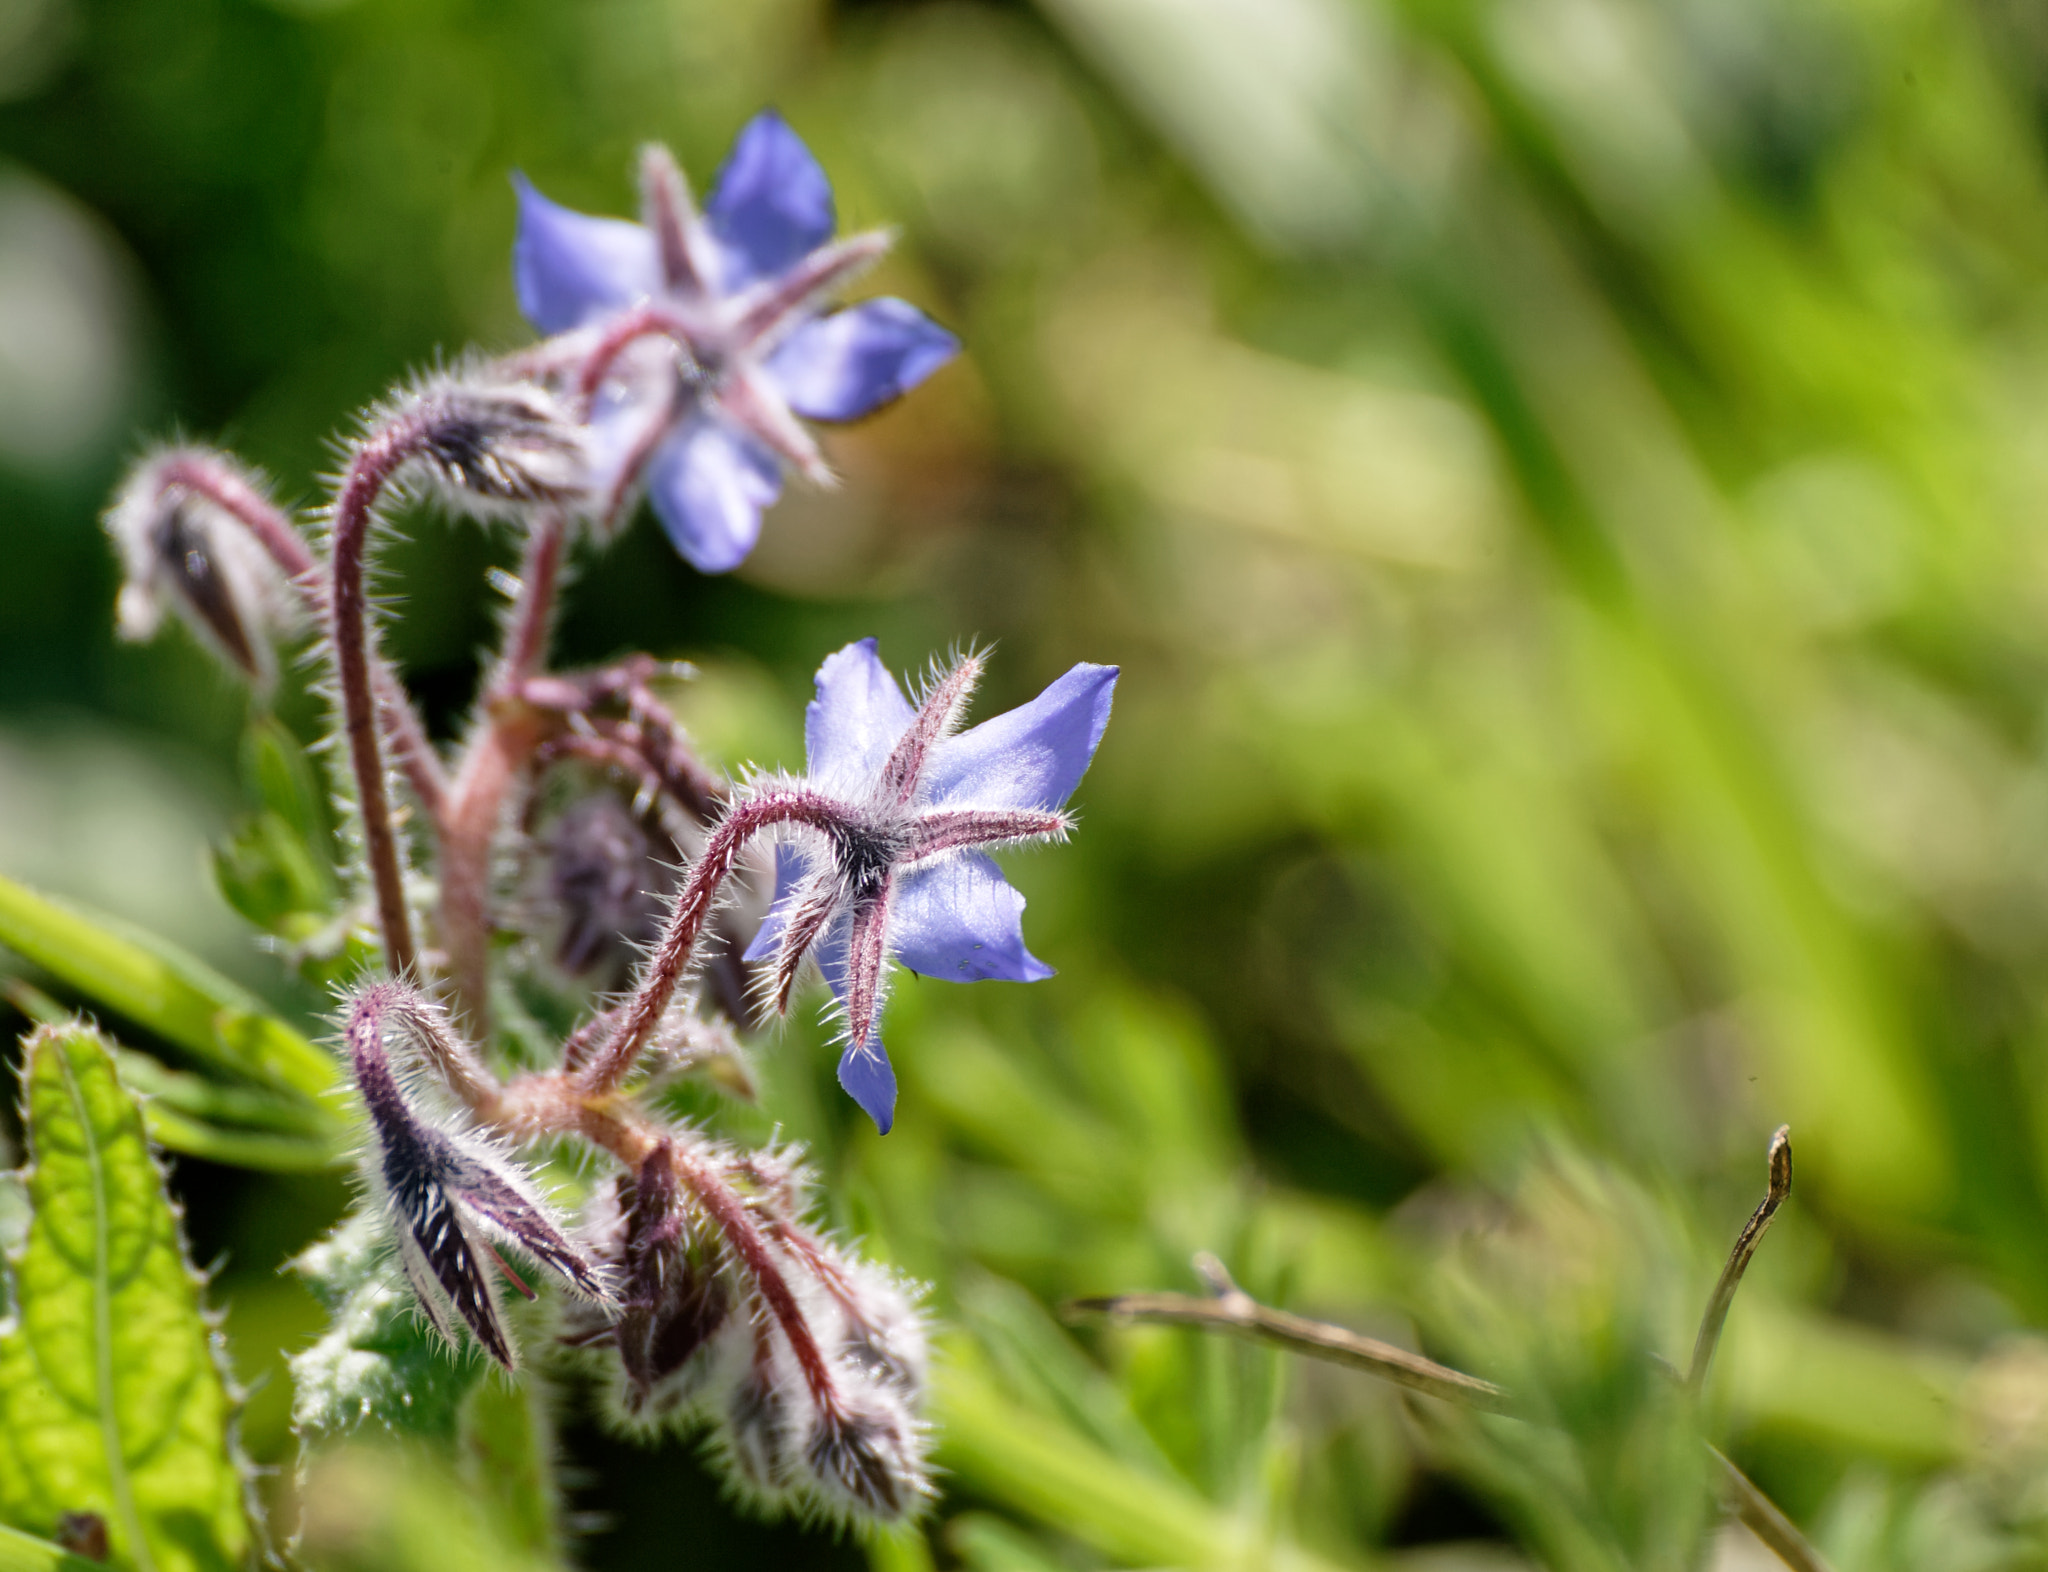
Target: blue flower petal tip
[869,1081]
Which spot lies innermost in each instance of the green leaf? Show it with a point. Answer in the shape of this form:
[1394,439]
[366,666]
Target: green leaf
[379,1362]
[508,1456]
[282,777]
[267,874]
[21,1552]
[259,1149]
[111,1397]
[162,989]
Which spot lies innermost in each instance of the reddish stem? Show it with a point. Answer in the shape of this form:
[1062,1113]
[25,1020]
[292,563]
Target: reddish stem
[475,800]
[554,1104]
[625,330]
[694,904]
[377,458]
[729,1212]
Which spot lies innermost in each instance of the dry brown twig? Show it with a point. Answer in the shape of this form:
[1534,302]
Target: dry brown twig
[1228,1308]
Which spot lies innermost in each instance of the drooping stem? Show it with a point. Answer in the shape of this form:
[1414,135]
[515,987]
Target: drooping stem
[377,458]
[625,330]
[475,799]
[220,483]
[688,918]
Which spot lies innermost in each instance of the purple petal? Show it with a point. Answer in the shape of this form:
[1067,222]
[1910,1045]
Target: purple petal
[772,203]
[568,267]
[708,485]
[1032,756]
[960,919]
[842,366]
[869,1081]
[855,720]
[792,867]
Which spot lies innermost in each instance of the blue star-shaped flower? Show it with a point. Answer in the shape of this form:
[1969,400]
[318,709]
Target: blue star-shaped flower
[738,290]
[895,865]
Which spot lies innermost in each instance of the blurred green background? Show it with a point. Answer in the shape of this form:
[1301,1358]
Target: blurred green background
[1565,481]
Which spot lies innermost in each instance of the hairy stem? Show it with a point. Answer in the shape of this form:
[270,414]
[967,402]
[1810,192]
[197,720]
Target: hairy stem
[376,460]
[693,907]
[475,800]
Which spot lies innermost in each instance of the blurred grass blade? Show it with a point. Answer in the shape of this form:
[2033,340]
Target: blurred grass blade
[159,987]
[260,1149]
[245,1107]
[110,1398]
[21,1552]
[1037,1466]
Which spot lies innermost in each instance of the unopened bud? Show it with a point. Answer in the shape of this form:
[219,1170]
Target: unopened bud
[497,447]
[450,1193]
[182,551]
[675,1293]
[606,882]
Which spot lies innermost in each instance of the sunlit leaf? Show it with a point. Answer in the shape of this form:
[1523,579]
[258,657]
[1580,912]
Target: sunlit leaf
[112,1400]
[380,1363]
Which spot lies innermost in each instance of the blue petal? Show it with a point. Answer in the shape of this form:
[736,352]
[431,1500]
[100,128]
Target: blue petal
[960,919]
[855,720]
[866,1075]
[842,366]
[568,268]
[792,867]
[863,1068]
[708,485]
[1031,757]
[772,203]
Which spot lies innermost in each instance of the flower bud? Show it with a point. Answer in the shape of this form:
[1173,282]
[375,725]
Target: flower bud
[493,447]
[182,551]
[676,1291]
[449,1192]
[606,882]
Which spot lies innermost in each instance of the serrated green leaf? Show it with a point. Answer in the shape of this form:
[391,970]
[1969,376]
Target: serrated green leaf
[111,1400]
[21,1552]
[161,988]
[379,1363]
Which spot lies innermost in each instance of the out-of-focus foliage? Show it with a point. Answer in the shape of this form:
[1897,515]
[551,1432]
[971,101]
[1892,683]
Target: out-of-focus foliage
[1564,481]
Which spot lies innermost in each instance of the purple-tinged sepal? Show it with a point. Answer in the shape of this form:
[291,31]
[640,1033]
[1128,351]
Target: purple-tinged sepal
[452,1197]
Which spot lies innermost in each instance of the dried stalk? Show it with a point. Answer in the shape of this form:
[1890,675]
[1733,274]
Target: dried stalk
[1229,1308]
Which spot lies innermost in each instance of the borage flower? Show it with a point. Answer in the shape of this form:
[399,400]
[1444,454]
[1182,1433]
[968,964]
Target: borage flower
[737,290]
[894,863]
